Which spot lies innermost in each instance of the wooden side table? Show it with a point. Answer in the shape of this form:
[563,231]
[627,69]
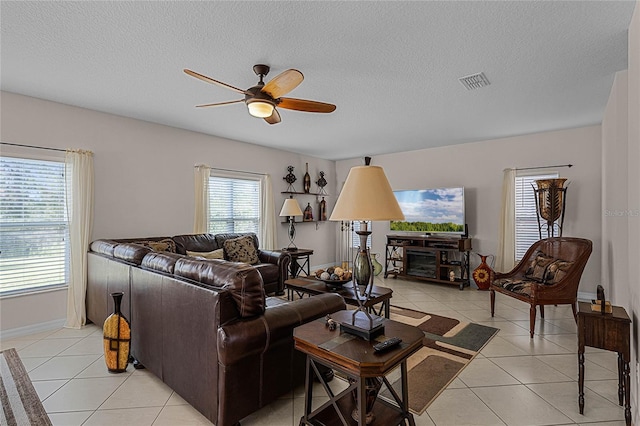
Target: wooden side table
[355,358]
[611,332]
[299,262]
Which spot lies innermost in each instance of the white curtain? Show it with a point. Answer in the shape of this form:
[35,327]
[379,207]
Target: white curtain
[267,237]
[201,213]
[506,256]
[79,199]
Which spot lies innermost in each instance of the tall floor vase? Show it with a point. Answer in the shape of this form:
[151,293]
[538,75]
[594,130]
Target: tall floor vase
[117,338]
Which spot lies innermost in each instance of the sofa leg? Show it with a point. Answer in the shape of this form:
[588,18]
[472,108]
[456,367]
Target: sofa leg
[532,320]
[493,302]
[542,311]
[280,293]
[137,365]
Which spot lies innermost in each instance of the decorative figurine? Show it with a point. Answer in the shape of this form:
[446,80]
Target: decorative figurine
[306,181]
[323,210]
[290,178]
[307,214]
[322,182]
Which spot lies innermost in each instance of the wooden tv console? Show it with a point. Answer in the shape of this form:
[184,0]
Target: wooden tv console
[429,258]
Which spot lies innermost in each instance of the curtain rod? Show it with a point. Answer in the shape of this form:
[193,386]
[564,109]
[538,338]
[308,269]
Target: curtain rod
[33,146]
[229,170]
[544,167]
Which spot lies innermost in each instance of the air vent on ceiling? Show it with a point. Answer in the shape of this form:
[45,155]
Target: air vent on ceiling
[474,81]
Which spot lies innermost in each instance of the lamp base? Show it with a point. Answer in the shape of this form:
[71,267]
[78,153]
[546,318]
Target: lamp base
[360,325]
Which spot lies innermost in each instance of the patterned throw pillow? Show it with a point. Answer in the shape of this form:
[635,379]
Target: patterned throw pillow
[216,254]
[241,249]
[538,266]
[557,271]
[167,245]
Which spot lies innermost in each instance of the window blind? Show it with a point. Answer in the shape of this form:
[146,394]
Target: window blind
[526,213]
[355,238]
[34,242]
[234,205]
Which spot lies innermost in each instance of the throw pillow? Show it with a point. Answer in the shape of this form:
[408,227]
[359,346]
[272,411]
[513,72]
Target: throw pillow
[215,254]
[167,245]
[557,271]
[538,266]
[241,249]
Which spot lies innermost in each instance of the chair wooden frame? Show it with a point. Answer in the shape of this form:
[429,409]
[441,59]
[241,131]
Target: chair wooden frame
[563,292]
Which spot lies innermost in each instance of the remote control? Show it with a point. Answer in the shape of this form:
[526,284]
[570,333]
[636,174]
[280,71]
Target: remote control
[387,344]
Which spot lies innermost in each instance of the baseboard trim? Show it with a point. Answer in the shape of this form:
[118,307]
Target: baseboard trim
[13,333]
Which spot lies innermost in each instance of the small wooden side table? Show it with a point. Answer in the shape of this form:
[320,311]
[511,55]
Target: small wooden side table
[299,262]
[355,358]
[611,332]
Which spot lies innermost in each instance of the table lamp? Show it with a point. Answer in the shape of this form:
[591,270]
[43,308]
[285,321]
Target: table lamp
[290,209]
[366,196]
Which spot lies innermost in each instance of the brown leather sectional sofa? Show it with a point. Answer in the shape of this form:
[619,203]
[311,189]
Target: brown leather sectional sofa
[205,327]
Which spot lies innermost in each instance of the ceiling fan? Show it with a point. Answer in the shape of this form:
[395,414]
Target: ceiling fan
[262,99]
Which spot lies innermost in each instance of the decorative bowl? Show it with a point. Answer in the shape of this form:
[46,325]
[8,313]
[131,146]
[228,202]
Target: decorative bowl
[336,283]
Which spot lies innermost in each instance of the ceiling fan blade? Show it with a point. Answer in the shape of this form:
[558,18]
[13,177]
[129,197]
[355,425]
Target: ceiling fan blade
[305,105]
[219,103]
[274,118]
[283,83]
[212,81]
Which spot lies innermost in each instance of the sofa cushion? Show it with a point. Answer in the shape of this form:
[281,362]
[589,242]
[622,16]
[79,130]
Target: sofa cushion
[131,252]
[538,267]
[166,244]
[515,285]
[161,261]
[241,249]
[104,247]
[243,281]
[215,254]
[196,242]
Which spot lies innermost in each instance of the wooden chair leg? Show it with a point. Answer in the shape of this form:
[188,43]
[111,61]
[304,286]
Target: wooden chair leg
[575,311]
[493,302]
[542,311]
[532,320]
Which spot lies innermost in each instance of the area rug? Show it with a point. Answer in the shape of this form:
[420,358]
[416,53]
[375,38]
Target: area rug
[449,346]
[20,403]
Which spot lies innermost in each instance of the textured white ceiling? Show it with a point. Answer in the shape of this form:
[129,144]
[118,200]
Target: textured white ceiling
[391,68]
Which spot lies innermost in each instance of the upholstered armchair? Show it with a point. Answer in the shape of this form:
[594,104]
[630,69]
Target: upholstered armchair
[548,274]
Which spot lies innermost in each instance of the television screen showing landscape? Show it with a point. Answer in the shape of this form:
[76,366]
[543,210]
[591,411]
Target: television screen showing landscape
[431,210]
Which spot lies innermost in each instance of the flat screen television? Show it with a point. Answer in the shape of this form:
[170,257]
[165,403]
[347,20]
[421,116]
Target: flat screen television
[438,211]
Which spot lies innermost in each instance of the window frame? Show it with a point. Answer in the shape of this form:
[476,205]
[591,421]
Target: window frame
[234,176]
[34,287]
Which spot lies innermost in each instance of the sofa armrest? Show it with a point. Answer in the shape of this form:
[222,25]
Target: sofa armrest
[280,258]
[246,337]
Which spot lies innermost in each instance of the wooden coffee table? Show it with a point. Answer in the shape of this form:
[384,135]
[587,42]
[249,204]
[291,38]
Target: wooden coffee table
[312,287]
[356,359]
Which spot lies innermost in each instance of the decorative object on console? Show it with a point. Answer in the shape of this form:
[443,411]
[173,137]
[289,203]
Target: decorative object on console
[377,266]
[290,209]
[290,178]
[306,180]
[323,210]
[366,196]
[483,274]
[308,213]
[117,337]
[551,198]
[321,182]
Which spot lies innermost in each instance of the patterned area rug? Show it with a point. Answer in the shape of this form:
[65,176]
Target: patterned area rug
[449,346]
[20,402]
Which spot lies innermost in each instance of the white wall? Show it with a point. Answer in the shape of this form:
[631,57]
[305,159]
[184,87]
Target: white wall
[144,177]
[478,167]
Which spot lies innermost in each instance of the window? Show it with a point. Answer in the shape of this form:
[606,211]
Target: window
[34,242]
[234,204]
[526,214]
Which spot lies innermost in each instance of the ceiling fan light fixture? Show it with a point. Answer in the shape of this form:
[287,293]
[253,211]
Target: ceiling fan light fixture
[260,108]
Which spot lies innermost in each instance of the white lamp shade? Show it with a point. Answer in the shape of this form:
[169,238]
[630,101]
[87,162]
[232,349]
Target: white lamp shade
[367,196]
[290,208]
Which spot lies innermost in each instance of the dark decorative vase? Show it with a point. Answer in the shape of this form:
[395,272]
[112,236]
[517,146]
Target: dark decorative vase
[117,337]
[307,214]
[323,210]
[306,181]
[483,274]
[372,387]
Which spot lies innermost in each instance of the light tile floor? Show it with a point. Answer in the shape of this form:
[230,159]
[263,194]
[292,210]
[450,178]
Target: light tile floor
[515,380]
